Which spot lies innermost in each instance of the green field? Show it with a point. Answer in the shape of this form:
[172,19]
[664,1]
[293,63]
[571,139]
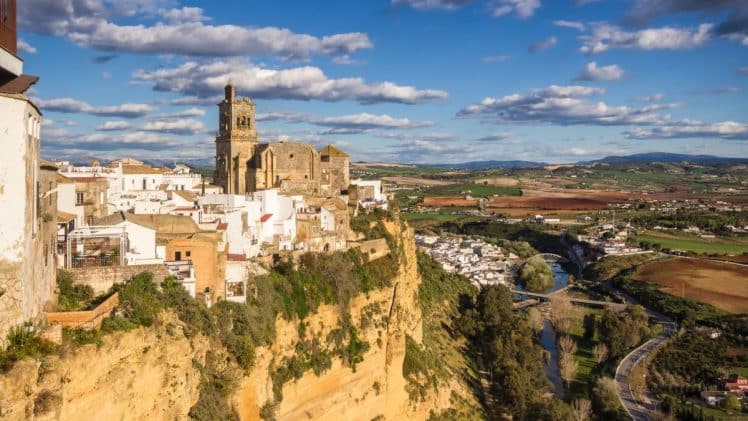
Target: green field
[431,216]
[696,245]
[476,190]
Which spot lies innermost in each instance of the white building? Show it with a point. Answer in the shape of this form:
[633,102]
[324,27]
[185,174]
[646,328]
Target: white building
[27,248]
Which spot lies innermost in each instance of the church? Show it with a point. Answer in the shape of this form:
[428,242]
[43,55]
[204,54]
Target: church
[243,165]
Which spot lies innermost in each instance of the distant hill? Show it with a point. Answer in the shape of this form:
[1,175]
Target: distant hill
[482,165]
[665,157]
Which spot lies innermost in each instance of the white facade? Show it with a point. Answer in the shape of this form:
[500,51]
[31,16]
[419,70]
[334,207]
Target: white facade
[26,280]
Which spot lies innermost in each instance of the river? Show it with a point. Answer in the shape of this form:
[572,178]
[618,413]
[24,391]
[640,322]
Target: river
[548,336]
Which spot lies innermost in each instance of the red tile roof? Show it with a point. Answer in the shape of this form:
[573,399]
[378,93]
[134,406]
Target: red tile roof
[18,85]
[222,226]
[266,217]
[235,257]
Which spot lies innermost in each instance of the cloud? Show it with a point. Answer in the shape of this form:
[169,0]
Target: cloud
[689,129]
[26,47]
[366,121]
[715,91]
[114,126]
[584,2]
[428,137]
[184,14]
[192,79]
[522,8]
[579,26]
[651,98]
[591,72]
[432,4]
[346,124]
[743,70]
[105,58]
[177,127]
[562,105]
[496,59]
[495,137]
[91,23]
[190,112]
[74,106]
[604,37]
[645,11]
[542,45]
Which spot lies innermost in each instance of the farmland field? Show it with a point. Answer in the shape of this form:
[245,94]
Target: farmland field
[695,244]
[722,285]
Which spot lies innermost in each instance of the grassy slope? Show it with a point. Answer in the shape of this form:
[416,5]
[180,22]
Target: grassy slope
[694,244]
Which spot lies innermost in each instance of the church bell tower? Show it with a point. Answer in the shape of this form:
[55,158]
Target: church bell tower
[235,143]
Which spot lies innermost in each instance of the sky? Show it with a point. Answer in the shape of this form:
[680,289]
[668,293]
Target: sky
[412,81]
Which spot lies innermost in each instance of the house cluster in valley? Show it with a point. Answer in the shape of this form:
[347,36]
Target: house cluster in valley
[107,222]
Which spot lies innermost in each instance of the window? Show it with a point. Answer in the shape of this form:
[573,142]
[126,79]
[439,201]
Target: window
[79,198]
[187,254]
[177,255]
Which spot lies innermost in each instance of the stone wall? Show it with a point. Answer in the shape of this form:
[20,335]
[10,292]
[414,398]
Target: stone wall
[373,248]
[101,279]
[90,319]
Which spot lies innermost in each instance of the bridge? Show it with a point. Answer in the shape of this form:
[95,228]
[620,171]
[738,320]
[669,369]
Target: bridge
[552,256]
[534,296]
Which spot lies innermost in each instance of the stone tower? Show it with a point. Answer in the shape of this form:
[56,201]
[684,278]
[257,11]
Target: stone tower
[235,143]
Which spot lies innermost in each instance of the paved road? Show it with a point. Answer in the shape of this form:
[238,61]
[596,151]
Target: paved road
[637,410]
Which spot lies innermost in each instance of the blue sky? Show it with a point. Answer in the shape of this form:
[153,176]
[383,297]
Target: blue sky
[419,81]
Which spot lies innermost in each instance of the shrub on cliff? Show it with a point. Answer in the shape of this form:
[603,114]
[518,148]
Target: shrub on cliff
[72,297]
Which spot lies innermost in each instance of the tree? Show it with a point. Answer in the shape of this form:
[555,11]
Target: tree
[732,403]
[590,326]
[567,345]
[535,275]
[535,319]
[606,397]
[600,352]
[562,314]
[568,367]
[582,409]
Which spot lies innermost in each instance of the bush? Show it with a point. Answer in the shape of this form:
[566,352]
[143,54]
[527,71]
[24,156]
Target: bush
[79,337]
[72,297]
[24,341]
[215,387]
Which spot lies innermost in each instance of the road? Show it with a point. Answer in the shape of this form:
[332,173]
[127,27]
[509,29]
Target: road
[615,306]
[635,409]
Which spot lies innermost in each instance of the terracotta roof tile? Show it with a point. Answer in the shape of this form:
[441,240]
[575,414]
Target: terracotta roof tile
[18,85]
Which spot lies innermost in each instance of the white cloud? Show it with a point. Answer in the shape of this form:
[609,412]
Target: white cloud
[562,105]
[192,79]
[432,4]
[689,129]
[190,112]
[743,70]
[91,23]
[651,98]
[70,105]
[26,47]
[591,72]
[178,127]
[579,26]
[496,59]
[542,45]
[346,124]
[114,126]
[495,137]
[184,14]
[604,37]
[522,8]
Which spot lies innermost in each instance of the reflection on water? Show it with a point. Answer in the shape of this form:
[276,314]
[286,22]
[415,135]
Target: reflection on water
[548,340]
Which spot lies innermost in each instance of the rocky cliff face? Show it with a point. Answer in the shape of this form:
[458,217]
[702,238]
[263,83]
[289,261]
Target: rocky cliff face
[377,386]
[141,374]
[154,374]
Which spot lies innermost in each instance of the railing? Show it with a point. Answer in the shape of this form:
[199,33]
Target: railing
[88,261]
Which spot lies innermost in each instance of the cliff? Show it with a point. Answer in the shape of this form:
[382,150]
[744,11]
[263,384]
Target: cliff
[155,373]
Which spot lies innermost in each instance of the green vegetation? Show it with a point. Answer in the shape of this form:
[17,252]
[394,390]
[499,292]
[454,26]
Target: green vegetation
[24,341]
[692,244]
[441,357]
[216,384]
[710,220]
[431,216]
[534,235]
[476,190]
[536,275]
[608,267]
[72,297]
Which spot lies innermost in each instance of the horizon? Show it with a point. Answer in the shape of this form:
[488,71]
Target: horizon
[406,81]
